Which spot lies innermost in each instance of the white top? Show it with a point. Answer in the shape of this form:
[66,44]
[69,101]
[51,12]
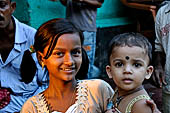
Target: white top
[92,97]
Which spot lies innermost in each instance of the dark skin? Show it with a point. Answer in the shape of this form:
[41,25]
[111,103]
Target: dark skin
[92,3]
[146,7]
[7,27]
[159,74]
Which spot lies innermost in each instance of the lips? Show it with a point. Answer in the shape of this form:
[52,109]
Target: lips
[127,80]
[68,69]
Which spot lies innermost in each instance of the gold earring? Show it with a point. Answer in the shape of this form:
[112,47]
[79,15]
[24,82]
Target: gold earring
[42,64]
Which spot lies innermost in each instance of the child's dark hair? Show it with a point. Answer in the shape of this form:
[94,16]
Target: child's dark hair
[48,34]
[130,39]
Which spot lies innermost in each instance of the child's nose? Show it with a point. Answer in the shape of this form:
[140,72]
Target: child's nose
[127,69]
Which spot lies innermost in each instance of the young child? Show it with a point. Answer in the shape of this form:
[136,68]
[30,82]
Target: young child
[129,64]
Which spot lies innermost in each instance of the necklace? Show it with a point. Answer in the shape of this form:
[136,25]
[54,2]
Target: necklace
[50,107]
[118,98]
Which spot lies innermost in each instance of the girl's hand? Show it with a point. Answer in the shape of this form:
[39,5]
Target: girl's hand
[114,110]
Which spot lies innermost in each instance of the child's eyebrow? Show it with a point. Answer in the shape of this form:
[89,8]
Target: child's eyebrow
[139,60]
[117,59]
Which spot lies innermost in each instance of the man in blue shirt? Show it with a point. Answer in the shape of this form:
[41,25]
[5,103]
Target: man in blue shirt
[15,39]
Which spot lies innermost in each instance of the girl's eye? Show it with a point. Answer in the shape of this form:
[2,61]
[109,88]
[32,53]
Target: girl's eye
[137,65]
[59,54]
[76,52]
[119,64]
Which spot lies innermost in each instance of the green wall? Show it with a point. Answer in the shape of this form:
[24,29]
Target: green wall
[113,13]
[21,11]
[36,12]
[43,10]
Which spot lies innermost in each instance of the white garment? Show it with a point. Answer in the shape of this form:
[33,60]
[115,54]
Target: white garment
[92,97]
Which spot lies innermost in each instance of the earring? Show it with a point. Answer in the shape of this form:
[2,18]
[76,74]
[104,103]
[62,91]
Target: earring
[147,77]
[42,64]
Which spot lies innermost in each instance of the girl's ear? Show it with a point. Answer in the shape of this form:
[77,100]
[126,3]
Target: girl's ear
[40,58]
[149,72]
[108,70]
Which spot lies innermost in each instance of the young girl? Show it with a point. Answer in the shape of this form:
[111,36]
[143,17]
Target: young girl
[130,58]
[58,45]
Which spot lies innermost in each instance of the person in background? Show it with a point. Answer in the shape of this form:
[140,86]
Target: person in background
[16,84]
[130,56]
[83,14]
[142,6]
[162,53]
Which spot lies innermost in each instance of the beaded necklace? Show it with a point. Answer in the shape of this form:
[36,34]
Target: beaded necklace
[118,98]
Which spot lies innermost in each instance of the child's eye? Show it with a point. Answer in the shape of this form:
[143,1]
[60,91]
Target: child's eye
[137,65]
[119,64]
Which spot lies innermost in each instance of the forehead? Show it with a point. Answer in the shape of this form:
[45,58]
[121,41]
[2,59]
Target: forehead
[133,52]
[68,40]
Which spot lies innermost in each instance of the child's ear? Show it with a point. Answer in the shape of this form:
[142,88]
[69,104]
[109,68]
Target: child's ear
[149,72]
[108,70]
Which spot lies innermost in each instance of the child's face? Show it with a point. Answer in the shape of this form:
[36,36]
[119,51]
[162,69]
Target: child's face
[66,58]
[129,67]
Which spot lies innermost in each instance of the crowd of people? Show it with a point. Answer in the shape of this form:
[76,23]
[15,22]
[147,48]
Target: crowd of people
[50,70]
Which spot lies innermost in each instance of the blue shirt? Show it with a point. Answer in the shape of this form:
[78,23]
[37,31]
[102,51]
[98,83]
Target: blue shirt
[10,70]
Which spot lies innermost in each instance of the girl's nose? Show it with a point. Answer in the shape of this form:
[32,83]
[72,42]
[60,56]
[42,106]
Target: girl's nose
[68,59]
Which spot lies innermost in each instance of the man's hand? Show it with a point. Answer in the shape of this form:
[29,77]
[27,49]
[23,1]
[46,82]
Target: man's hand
[153,106]
[159,76]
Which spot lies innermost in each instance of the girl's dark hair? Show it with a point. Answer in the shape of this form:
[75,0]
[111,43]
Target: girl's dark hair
[130,39]
[48,34]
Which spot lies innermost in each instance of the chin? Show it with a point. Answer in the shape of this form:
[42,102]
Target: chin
[69,78]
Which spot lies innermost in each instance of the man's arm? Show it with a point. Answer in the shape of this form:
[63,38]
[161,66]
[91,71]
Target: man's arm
[159,74]
[139,6]
[159,54]
[93,3]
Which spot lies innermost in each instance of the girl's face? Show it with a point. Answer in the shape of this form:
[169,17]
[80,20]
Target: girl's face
[66,58]
[129,67]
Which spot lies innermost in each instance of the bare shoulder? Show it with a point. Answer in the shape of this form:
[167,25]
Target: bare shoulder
[141,107]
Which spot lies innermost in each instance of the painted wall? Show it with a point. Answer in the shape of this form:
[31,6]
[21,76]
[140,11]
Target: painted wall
[44,10]
[22,11]
[36,12]
[113,13]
